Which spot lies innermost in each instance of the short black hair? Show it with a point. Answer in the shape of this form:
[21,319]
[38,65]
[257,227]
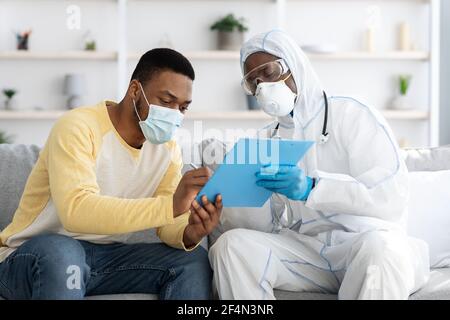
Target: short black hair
[161,59]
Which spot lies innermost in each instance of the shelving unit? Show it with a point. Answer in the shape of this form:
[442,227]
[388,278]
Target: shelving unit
[207,55]
[192,115]
[31,115]
[55,55]
[394,55]
[234,55]
[123,54]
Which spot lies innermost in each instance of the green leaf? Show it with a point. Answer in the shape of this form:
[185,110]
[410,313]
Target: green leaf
[9,93]
[90,46]
[230,23]
[4,138]
[404,82]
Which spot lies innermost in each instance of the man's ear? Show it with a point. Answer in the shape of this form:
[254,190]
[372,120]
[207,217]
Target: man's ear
[134,90]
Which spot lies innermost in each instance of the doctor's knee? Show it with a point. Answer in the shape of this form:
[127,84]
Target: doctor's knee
[380,246]
[230,242]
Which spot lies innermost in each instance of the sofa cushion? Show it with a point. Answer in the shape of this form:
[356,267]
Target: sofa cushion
[437,288]
[429,197]
[124,296]
[427,159]
[16,162]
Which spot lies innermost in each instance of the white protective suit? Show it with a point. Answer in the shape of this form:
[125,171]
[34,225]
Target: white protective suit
[348,237]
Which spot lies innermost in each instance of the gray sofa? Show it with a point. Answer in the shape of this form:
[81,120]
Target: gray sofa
[16,162]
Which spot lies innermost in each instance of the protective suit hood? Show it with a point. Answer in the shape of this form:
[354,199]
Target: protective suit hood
[310,91]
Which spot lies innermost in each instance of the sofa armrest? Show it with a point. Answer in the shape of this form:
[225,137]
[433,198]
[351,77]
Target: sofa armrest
[427,159]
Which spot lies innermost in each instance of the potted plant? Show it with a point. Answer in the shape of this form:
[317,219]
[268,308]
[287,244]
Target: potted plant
[4,138]
[401,102]
[230,32]
[9,94]
[22,40]
[89,43]
[90,46]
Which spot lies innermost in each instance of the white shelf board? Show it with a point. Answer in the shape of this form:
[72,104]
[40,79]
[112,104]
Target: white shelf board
[234,55]
[31,114]
[209,0]
[34,1]
[425,1]
[228,115]
[208,55]
[54,114]
[412,1]
[201,55]
[57,55]
[196,115]
[394,55]
[405,114]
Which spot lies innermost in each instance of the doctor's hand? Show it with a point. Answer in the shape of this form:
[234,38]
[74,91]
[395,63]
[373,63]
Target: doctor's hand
[188,188]
[290,181]
[202,221]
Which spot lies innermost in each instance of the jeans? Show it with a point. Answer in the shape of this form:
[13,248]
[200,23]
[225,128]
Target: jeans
[58,267]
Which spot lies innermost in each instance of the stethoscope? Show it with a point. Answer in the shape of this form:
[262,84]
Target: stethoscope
[325,134]
[323,139]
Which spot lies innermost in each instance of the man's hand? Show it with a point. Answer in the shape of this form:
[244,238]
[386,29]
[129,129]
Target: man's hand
[202,221]
[190,184]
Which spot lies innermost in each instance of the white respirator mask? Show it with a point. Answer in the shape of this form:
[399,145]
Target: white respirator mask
[275,98]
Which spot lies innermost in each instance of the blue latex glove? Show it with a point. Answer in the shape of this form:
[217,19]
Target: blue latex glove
[290,181]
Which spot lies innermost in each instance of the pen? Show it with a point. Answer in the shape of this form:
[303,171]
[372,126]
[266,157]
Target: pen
[193,165]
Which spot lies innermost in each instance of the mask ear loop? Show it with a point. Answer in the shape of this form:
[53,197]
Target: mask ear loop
[145,97]
[285,79]
[135,110]
[284,66]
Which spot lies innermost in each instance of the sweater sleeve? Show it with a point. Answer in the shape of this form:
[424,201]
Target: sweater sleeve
[71,162]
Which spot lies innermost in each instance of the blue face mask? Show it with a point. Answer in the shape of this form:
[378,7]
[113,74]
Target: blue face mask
[161,123]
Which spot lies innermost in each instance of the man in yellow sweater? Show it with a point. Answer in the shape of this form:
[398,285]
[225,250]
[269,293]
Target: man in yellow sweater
[107,171]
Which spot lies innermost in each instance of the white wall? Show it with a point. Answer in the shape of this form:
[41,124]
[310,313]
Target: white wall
[187,24]
[445,74]
[40,83]
[217,87]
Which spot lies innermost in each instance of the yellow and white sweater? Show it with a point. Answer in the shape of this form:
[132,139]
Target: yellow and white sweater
[89,184]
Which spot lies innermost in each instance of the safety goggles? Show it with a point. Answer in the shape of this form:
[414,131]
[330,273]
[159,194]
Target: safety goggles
[267,72]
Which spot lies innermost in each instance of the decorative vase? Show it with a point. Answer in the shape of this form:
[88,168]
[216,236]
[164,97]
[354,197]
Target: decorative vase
[401,102]
[252,104]
[230,40]
[22,42]
[74,102]
[10,104]
[75,88]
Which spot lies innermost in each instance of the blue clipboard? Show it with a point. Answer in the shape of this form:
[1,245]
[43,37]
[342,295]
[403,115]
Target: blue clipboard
[235,178]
